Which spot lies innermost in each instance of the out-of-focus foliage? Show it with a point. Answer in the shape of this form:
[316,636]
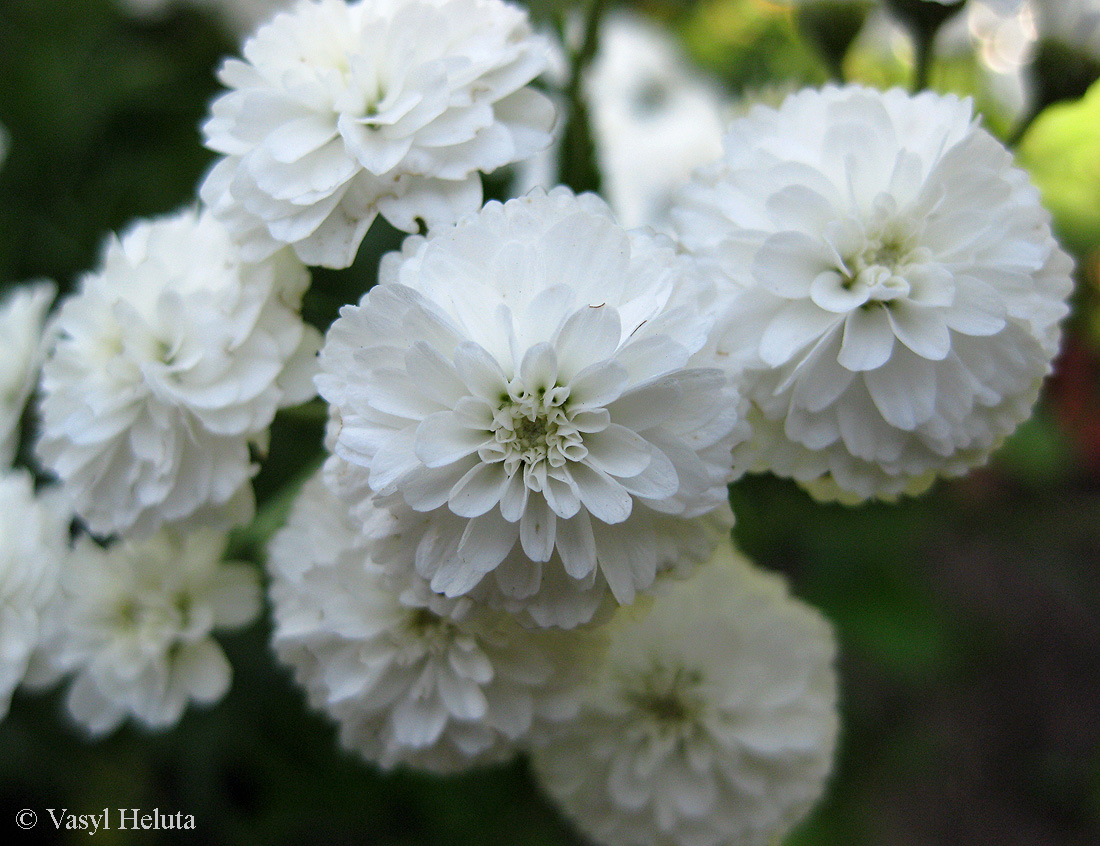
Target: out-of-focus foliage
[1062,152]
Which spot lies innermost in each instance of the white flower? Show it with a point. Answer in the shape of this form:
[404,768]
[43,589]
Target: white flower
[654,119]
[537,594]
[411,678]
[713,722]
[5,143]
[343,111]
[1074,23]
[171,360]
[22,315]
[240,16]
[536,378]
[895,287]
[134,624]
[34,538]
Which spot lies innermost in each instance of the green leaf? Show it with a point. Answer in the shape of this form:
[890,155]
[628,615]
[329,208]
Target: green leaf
[1061,150]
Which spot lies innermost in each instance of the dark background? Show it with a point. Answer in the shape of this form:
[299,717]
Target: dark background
[969,619]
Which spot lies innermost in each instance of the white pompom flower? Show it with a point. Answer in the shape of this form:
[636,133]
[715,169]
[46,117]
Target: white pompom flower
[34,541]
[654,118]
[411,678]
[713,722]
[537,382]
[343,111]
[22,317]
[1072,23]
[168,364]
[896,290]
[134,623]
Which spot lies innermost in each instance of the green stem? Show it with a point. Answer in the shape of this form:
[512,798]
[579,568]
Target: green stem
[924,43]
[577,165]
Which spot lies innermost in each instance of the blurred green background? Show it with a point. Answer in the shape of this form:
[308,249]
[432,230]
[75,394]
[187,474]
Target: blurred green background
[969,619]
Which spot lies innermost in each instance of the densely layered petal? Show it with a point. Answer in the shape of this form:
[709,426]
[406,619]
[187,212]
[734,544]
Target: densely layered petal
[713,720]
[410,677]
[536,382]
[166,365]
[342,111]
[903,299]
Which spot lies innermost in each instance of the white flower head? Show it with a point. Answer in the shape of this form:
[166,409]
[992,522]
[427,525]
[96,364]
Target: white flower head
[537,383]
[343,111]
[895,287]
[239,16]
[410,677]
[34,540]
[169,362]
[654,118]
[134,624]
[22,317]
[713,721]
[1073,23]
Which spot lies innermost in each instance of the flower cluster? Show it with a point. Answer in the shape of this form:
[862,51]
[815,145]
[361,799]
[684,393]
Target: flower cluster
[33,546]
[518,540]
[22,315]
[411,677]
[713,721]
[169,363]
[342,111]
[537,379]
[895,290]
[653,119]
[133,625]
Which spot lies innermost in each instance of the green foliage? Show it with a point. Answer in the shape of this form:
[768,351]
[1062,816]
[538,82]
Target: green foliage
[1061,150]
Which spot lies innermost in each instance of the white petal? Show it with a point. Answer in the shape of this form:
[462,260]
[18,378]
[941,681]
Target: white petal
[590,334]
[538,529]
[617,451]
[905,391]
[577,545]
[793,327]
[788,262]
[868,339]
[921,329]
[479,490]
[481,372]
[442,439]
[605,499]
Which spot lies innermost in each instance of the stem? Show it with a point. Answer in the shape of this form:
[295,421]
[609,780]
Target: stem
[577,164]
[924,42]
[923,19]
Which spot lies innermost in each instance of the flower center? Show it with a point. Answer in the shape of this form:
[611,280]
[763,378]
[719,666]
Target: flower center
[533,432]
[667,699]
[877,271]
[429,629]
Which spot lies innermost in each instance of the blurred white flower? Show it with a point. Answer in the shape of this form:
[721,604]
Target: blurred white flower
[895,288]
[22,317]
[5,143]
[239,16]
[543,375]
[134,622]
[714,720]
[169,362]
[342,111]
[654,119]
[34,540]
[1073,23]
[411,678]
